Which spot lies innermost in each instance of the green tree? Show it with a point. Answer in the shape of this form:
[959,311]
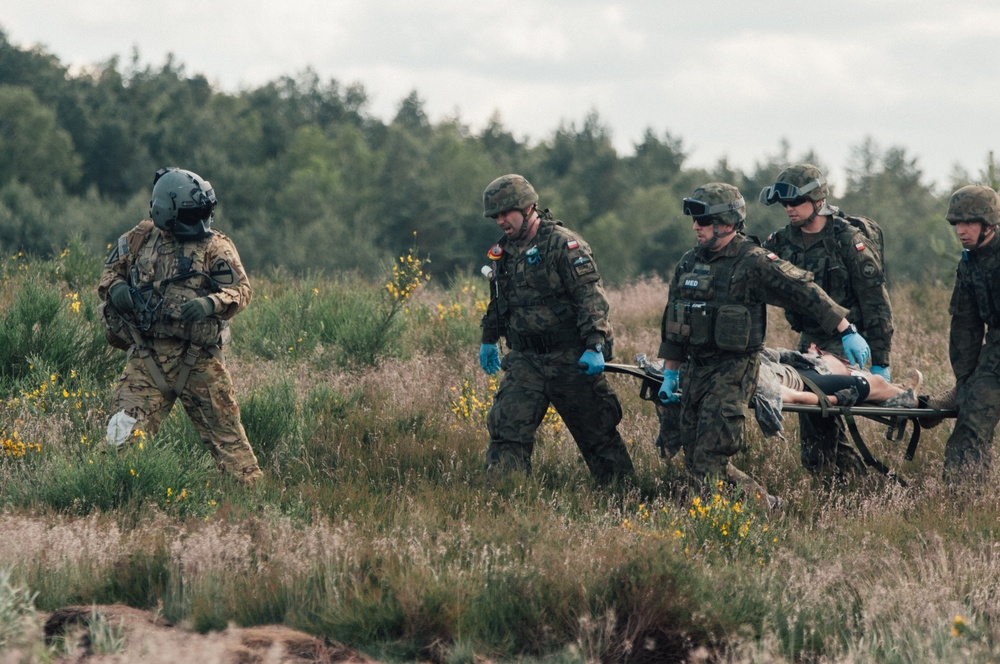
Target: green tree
[33,148]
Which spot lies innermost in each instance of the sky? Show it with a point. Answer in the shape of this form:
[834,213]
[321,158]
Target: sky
[732,80]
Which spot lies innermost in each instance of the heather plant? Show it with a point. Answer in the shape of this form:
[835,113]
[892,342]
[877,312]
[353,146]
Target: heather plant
[374,524]
[341,318]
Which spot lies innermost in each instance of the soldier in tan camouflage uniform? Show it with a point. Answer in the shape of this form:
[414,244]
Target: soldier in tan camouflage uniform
[848,266]
[974,346]
[548,301]
[170,286]
[715,323]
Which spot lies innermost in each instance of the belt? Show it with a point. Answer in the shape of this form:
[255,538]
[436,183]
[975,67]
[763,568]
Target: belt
[549,342]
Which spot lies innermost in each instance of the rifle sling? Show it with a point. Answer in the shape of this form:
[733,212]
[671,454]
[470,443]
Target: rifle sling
[156,373]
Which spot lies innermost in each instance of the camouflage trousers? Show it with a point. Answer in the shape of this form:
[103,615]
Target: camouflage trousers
[208,399]
[587,404]
[968,454]
[714,397]
[824,446]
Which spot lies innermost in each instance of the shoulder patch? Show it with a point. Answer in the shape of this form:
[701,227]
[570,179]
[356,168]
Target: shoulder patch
[770,237]
[572,244]
[771,256]
[495,252]
[222,272]
[859,246]
[869,269]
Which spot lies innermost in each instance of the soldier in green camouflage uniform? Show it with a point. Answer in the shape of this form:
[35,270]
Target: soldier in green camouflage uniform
[170,286]
[847,264]
[974,346]
[715,323]
[548,301]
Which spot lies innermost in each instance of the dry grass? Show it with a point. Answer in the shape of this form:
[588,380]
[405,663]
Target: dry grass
[380,531]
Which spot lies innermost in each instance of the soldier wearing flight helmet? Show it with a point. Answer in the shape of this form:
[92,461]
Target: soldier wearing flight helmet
[170,287]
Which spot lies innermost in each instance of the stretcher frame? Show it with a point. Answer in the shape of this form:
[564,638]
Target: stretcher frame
[896,419]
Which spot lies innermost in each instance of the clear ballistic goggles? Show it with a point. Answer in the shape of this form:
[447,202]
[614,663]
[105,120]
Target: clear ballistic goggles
[787,192]
[702,211]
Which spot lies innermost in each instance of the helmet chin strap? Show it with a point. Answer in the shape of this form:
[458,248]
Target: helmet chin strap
[525,218]
[984,235]
[716,236]
[817,206]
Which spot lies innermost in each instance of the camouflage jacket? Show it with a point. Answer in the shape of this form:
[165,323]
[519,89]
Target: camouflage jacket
[975,312]
[145,256]
[551,288]
[850,272]
[758,277]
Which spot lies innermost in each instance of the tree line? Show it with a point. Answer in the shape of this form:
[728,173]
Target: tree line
[310,181]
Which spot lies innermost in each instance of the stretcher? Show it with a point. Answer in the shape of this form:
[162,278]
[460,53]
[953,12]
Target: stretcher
[897,420]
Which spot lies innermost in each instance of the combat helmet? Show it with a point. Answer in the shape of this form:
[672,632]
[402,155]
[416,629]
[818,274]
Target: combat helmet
[796,182]
[719,202]
[974,202]
[508,192]
[182,203]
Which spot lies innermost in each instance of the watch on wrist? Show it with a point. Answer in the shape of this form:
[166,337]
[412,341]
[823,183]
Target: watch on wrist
[850,329]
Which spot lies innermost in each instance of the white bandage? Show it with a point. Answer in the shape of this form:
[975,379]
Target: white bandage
[119,429]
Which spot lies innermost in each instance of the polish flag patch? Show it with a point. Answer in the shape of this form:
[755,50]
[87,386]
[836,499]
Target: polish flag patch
[860,246]
[572,244]
[771,256]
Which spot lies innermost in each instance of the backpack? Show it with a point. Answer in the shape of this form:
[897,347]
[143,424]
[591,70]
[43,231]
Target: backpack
[872,232]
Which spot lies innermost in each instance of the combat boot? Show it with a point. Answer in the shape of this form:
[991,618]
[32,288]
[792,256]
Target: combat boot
[942,401]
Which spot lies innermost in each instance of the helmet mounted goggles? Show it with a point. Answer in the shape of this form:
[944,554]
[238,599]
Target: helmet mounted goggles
[787,192]
[702,211]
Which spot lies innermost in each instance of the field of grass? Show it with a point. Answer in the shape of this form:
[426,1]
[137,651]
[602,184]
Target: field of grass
[374,525]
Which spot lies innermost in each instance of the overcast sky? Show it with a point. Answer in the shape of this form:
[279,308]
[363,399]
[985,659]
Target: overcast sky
[730,79]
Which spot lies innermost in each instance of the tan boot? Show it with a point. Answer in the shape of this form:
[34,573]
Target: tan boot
[946,400]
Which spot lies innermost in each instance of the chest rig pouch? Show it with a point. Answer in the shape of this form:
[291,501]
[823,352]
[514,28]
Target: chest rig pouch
[167,274]
[707,314]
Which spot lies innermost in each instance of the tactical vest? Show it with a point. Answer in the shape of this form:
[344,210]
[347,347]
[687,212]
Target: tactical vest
[830,268]
[707,316]
[522,283]
[166,274]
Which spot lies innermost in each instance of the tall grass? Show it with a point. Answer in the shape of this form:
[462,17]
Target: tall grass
[374,524]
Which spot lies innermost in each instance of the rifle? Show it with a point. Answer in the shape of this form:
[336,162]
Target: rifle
[146,309]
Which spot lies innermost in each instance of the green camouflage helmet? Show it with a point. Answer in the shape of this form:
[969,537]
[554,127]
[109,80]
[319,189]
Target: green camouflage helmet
[796,181]
[508,192]
[182,203]
[719,201]
[974,202]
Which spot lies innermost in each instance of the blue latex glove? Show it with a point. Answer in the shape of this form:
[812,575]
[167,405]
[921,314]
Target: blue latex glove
[856,349]
[489,358]
[668,390]
[592,362]
[879,370]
